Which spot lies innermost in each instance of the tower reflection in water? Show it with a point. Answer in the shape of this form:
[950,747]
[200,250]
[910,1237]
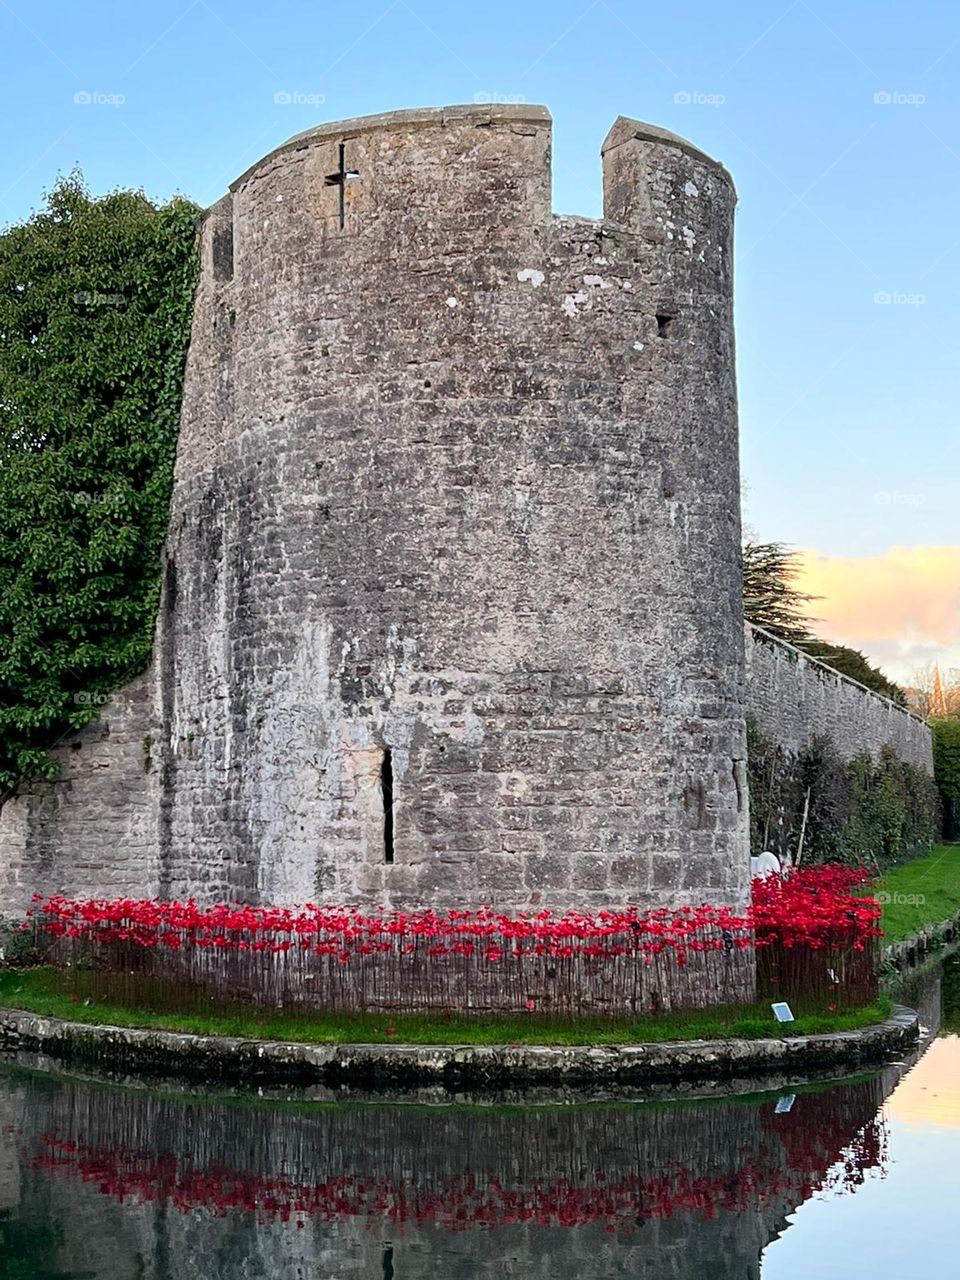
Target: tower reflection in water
[108,1183]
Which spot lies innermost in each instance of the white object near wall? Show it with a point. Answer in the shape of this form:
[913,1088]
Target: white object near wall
[765,864]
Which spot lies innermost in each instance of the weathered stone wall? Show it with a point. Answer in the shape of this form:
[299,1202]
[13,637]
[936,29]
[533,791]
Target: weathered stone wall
[457,481]
[447,487]
[794,698]
[93,830]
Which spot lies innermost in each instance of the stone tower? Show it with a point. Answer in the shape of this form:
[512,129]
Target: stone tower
[451,592]
[451,599]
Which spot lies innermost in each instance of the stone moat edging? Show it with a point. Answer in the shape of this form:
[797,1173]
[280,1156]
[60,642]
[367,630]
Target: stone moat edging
[222,1058]
[913,951]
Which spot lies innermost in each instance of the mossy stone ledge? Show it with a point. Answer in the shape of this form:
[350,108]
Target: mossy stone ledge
[222,1058]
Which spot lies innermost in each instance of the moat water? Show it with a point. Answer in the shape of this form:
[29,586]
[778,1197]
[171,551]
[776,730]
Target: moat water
[110,1181]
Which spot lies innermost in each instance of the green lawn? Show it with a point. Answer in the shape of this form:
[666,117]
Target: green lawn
[52,993]
[925,891]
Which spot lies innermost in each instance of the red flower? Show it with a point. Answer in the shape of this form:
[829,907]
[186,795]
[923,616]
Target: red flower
[814,917]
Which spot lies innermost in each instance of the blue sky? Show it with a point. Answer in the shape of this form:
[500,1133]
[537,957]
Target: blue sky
[847,402]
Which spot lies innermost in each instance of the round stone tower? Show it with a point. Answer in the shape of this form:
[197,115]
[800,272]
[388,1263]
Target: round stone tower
[451,608]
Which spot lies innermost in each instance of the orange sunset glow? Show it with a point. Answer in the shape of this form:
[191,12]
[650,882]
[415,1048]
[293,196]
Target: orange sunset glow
[927,1095]
[902,608]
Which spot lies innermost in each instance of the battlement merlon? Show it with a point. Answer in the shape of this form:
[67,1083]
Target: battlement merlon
[658,184]
[624,130]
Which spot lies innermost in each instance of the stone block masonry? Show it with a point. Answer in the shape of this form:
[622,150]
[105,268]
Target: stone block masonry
[94,830]
[457,482]
[794,698]
[451,604]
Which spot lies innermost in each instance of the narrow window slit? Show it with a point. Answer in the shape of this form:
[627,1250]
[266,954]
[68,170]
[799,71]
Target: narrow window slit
[386,788]
[223,252]
[664,325]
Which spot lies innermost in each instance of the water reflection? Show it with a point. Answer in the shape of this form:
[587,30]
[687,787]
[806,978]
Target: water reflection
[125,1183]
[950,995]
[109,1183]
[903,1226]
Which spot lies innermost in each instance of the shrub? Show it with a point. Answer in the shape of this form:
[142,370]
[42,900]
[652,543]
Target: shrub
[946,767]
[863,810]
[95,305]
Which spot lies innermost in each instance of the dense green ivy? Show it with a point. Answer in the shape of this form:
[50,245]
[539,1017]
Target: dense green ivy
[946,754]
[863,810]
[946,764]
[95,305]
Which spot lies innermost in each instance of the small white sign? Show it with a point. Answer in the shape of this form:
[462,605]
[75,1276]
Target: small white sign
[782,1012]
[784,1104]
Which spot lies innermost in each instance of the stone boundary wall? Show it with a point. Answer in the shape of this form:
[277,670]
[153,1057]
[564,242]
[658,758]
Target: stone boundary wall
[91,832]
[226,1058]
[913,952]
[794,698]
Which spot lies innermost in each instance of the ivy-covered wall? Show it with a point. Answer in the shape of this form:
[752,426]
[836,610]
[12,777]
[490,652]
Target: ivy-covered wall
[96,298]
[850,769]
[868,809]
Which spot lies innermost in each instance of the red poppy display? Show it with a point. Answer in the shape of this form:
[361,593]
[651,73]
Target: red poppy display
[813,931]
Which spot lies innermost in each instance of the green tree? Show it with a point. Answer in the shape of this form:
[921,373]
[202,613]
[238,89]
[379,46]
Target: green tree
[946,769]
[95,305]
[771,599]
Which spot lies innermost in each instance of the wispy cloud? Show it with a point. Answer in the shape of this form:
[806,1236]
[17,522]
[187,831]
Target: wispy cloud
[902,608]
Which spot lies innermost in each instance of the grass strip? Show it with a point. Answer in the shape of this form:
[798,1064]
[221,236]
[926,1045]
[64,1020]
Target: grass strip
[54,993]
[919,893]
